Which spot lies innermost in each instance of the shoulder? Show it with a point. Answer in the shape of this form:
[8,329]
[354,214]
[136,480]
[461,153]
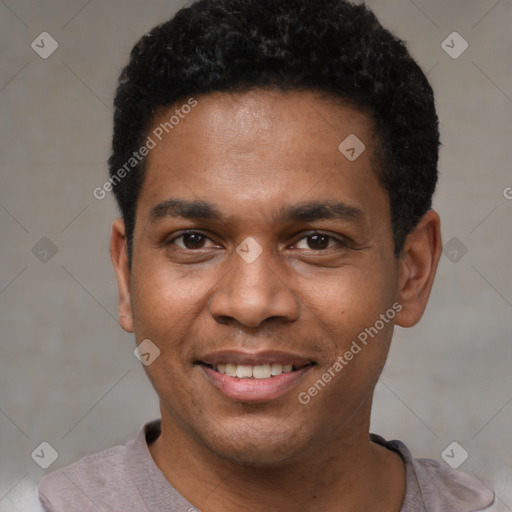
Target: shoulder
[81,484]
[444,488]
[95,482]
[435,487]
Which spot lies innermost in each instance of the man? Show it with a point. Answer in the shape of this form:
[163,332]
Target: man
[274,163]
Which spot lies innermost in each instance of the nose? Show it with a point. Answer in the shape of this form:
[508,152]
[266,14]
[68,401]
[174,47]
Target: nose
[252,293]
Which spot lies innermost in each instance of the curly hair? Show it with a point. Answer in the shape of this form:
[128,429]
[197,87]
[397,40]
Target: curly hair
[329,46]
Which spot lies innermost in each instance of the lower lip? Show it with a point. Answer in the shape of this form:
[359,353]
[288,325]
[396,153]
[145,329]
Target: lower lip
[254,390]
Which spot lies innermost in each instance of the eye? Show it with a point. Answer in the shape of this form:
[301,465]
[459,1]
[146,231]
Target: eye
[319,242]
[191,240]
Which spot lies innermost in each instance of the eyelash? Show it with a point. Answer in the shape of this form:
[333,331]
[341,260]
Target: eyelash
[339,241]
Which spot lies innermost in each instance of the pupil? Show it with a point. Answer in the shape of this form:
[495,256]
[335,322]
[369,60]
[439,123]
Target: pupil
[318,241]
[193,240]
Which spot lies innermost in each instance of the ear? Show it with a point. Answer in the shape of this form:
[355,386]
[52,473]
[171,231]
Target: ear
[418,265]
[119,256]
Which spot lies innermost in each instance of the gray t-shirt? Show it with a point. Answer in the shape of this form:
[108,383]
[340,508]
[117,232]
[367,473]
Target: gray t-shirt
[126,479]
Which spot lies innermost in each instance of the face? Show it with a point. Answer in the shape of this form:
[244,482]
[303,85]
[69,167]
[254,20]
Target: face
[261,254]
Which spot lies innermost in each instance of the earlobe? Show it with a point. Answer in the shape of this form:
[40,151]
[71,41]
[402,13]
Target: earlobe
[418,266]
[119,257]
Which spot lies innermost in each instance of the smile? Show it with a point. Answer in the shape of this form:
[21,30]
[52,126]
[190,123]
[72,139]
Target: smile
[254,377]
[261,371]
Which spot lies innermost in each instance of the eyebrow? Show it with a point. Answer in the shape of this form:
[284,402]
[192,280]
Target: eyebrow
[319,210]
[198,210]
[308,211]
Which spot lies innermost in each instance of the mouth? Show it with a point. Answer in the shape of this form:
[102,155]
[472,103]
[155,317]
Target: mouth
[260,371]
[254,377]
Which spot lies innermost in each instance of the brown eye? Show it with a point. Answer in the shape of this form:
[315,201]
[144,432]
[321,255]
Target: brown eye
[193,240]
[318,242]
[190,241]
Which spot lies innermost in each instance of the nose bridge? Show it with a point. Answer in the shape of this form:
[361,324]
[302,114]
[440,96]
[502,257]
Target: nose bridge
[252,291]
[253,274]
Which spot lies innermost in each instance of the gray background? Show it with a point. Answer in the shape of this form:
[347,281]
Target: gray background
[67,371]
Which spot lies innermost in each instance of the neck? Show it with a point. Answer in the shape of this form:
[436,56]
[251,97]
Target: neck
[350,474]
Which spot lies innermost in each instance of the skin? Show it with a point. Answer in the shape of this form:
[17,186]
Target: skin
[250,155]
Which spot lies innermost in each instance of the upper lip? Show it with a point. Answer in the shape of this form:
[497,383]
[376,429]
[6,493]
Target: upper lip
[254,358]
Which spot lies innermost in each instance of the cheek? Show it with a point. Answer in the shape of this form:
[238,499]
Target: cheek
[351,300]
[163,300]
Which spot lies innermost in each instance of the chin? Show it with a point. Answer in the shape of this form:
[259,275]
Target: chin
[255,447]
[252,456]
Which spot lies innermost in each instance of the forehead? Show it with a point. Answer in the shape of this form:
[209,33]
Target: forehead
[261,149]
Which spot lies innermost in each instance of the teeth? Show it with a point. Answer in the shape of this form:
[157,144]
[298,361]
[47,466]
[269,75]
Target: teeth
[276,369]
[243,371]
[261,371]
[230,370]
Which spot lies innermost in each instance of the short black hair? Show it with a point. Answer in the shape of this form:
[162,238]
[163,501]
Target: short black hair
[329,46]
